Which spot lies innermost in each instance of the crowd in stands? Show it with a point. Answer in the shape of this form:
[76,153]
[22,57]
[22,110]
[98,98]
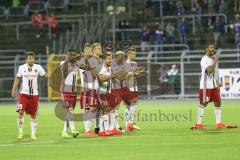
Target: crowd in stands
[38,23]
[208,18]
[207,15]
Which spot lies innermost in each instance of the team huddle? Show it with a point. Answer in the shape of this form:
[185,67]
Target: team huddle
[107,79]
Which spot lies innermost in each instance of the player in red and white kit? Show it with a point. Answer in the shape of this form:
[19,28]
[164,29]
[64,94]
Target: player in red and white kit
[28,92]
[131,67]
[108,100]
[119,85]
[209,87]
[69,69]
[89,84]
[96,65]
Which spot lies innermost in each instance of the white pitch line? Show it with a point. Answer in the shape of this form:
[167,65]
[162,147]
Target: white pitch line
[109,138]
[69,140]
[117,144]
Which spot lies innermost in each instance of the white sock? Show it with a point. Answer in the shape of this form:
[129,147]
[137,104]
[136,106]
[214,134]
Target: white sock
[101,124]
[200,114]
[33,124]
[127,114]
[65,126]
[106,121]
[70,118]
[88,117]
[20,121]
[97,118]
[112,118]
[117,118]
[217,111]
[132,110]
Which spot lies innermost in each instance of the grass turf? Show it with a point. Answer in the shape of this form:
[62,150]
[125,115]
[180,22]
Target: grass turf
[159,139]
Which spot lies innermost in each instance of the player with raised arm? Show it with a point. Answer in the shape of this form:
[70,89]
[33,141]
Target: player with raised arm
[69,69]
[209,88]
[28,93]
[119,87]
[133,70]
[89,84]
[96,64]
[108,100]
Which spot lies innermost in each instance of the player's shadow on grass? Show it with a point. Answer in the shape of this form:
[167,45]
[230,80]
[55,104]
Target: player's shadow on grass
[60,112]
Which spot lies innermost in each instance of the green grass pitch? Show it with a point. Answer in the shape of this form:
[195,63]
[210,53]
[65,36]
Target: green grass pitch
[159,139]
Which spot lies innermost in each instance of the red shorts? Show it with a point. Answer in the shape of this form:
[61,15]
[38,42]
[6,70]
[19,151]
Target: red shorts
[89,99]
[28,104]
[212,95]
[69,99]
[125,94]
[109,100]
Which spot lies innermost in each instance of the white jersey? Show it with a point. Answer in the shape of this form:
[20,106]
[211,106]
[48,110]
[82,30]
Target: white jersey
[105,87]
[69,74]
[132,81]
[116,83]
[29,77]
[88,82]
[208,81]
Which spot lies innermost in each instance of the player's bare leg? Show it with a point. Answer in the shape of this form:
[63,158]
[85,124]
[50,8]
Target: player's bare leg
[20,121]
[33,124]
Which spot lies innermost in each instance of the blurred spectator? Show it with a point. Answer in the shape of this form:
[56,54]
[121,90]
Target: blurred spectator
[183,31]
[159,33]
[124,24]
[145,37]
[179,8]
[169,29]
[218,30]
[163,73]
[237,30]
[224,7]
[236,5]
[210,21]
[148,10]
[173,78]
[210,6]
[37,23]
[52,22]
[37,20]
[198,12]
[213,5]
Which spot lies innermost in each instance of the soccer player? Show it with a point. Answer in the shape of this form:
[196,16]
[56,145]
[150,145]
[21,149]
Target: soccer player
[96,65]
[69,69]
[119,87]
[209,87]
[28,93]
[107,99]
[89,98]
[133,70]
